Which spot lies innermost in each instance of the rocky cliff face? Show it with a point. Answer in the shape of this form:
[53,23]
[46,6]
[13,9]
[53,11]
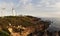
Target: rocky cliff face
[24,25]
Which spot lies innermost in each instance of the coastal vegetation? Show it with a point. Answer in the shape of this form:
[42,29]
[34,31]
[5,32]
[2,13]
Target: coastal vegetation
[23,25]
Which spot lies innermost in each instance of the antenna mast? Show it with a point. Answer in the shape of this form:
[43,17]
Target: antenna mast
[2,11]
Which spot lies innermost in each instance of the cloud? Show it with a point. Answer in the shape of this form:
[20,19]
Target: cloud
[43,8]
[24,1]
[57,5]
[6,5]
[39,7]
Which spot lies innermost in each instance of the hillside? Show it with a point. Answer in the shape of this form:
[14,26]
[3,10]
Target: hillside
[20,20]
[18,23]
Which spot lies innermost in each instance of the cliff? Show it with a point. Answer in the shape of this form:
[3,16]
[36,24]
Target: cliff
[24,25]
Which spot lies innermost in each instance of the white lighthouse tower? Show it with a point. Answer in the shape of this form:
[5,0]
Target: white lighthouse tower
[13,12]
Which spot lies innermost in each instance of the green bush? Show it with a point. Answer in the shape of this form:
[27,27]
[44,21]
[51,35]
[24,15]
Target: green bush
[3,33]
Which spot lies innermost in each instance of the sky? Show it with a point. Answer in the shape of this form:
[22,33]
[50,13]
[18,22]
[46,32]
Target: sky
[40,8]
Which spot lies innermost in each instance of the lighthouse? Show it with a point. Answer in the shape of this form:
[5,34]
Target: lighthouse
[13,12]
